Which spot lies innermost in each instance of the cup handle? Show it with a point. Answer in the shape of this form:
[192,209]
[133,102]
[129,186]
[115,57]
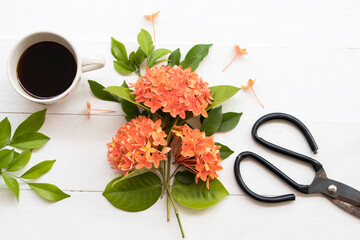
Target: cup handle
[90,63]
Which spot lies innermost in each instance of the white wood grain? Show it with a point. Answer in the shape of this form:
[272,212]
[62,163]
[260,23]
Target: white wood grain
[87,215]
[304,55]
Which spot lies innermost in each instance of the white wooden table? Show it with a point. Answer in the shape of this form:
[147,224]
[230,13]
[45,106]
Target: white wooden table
[305,56]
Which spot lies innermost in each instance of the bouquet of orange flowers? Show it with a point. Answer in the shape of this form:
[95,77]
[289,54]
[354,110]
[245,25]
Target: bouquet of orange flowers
[158,150]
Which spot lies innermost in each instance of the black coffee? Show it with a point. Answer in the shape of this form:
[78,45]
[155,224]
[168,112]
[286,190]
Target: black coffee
[46,69]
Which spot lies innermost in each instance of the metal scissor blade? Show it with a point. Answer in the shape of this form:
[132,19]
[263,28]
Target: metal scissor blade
[340,194]
[347,207]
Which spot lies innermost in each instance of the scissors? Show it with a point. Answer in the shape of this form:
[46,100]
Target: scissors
[340,194]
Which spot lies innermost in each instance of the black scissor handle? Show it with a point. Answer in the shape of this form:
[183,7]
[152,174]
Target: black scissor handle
[278,172]
[283,116]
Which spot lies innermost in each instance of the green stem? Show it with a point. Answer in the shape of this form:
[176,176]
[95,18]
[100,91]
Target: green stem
[175,171]
[14,176]
[169,167]
[172,201]
[167,196]
[138,71]
[7,144]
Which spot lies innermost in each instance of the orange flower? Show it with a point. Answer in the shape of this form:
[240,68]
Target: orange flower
[250,85]
[89,109]
[197,153]
[136,145]
[174,90]
[239,51]
[151,17]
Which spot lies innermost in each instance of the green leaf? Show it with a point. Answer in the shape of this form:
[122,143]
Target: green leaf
[199,50]
[229,121]
[197,54]
[12,184]
[6,157]
[147,114]
[221,93]
[145,41]
[130,109]
[160,61]
[118,50]
[5,132]
[212,123]
[225,151]
[134,194]
[139,56]
[190,62]
[98,90]
[30,140]
[155,55]
[20,161]
[174,58]
[196,195]
[131,174]
[38,170]
[48,191]
[124,93]
[16,154]
[132,57]
[32,124]
[123,68]
[202,118]
[185,177]
[125,85]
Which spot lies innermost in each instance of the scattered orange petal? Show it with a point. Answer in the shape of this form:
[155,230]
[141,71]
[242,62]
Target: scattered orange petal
[250,85]
[89,109]
[151,17]
[88,105]
[239,51]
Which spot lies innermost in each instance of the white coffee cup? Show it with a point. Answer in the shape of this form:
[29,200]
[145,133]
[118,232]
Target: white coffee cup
[84,64]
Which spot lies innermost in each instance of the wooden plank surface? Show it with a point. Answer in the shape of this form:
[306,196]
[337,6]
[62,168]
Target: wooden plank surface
[305,57]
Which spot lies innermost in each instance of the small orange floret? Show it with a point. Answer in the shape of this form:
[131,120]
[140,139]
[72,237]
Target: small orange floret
[250,85]
[239,51]
[197,153]
[151,17]
[137,144]
[89,109]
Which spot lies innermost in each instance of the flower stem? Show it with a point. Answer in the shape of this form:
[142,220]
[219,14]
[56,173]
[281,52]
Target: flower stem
[172,201]
[169,168]
[257,97]
[237,54]
[152,19]
[138,72]
[175,171]
[167,196]
[175,209]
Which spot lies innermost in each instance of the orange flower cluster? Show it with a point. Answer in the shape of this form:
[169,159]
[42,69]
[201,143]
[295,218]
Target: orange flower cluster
[197,153]
[136,145]
[174,90]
